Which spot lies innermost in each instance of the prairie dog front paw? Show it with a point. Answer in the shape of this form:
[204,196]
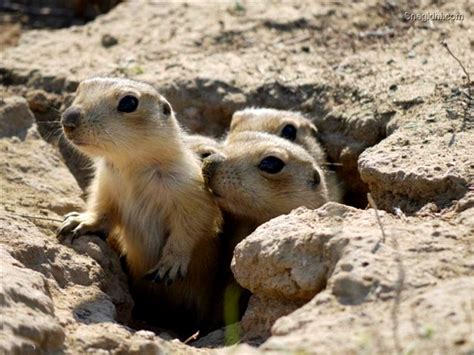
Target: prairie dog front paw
[78,224]
[173,265]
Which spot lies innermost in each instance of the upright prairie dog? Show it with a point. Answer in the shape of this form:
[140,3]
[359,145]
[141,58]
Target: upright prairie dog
[203,146]
[148,189]
[292,126]
[260,176]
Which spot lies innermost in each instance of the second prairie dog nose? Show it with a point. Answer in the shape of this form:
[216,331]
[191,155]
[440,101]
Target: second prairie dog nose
[71,118]
[209,166]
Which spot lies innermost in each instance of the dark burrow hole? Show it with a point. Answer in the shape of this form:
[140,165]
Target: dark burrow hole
[52,13]
[49,127]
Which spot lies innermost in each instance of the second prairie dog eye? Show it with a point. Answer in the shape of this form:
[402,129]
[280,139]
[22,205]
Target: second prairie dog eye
[166,108]
[271,165]
[127,104]
[289,132]
[316,178]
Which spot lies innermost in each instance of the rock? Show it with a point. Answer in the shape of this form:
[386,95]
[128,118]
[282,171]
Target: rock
[358,264]
[262,312]
[106,337]
[396,178]
[40,101]
[283,259]
[424,323]
[225,336]
[241,349]
[28,321]
[408,95]
[108,41]
[15,117]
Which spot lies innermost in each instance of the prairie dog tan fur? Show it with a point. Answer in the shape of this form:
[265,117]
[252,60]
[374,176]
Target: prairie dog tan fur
[289,125]
[260,176]
[148,189]
[203,146]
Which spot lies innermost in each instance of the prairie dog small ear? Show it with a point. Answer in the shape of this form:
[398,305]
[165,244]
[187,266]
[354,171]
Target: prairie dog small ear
[314,130]
[237,118]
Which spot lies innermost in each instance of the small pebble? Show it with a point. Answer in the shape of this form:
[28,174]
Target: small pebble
[109,41]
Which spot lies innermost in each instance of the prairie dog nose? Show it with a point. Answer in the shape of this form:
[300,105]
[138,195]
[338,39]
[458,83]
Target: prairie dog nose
[209,166]
[71,118]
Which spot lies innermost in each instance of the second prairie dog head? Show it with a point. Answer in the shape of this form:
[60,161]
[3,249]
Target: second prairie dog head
[292,126]
[116,118]
[260,176]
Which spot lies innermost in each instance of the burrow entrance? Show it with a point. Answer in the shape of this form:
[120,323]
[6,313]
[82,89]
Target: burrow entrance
[205,111]
[52,13]
[16,16]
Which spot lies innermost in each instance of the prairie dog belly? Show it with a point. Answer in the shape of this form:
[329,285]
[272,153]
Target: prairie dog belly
[143,223]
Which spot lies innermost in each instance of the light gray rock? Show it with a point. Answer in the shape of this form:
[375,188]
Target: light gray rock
[364,269]
[27,321]
[434,319]
[289,258]
[402,171]
[262,312]
[15,117]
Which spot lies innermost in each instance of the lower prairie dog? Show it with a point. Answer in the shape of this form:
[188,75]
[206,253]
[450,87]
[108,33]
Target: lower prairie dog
[203,146]
[148,190]
[260,176]
[292,126]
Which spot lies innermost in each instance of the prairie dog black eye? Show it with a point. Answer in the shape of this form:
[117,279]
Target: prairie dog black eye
[204,155]
[316,179]
[271,165]
[127,104]
[166,108]
[289,132]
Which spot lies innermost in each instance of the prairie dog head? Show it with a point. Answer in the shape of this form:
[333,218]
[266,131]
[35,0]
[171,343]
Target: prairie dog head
[289,125]
[201,145]
[116,118]
[260,176]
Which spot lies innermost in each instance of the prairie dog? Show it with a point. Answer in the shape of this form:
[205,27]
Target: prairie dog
[148,189]
[292,126]
[260,176]
[201,145]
